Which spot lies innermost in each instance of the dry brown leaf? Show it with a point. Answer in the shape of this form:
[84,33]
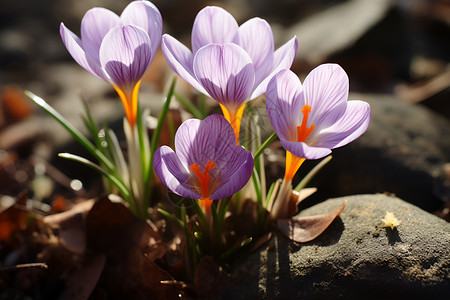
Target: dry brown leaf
[305,229]
[82,282]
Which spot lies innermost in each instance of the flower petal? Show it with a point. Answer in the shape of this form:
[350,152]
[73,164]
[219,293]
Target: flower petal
[282,59]
[226,72]
[239,178]
[74,46]
[180,59]
[213,25]
[198,141]
[352,125]
[96,23]
[147,16]
[283,104]
[326,91]
[125,55]
[256,38]
[303,150]
[172,173]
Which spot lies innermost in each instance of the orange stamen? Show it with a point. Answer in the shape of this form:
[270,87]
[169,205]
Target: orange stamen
[130,102]
[234,118]
[302,131]
[204,178]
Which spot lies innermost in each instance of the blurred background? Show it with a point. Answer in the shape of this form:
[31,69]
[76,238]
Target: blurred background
[396,54]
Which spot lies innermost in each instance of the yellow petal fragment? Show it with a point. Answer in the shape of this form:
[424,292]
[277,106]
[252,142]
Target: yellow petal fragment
[390,220]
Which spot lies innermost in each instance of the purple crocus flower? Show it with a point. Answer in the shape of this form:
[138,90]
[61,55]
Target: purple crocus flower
[117,49]
[312,119]
[232,64]
[206,164]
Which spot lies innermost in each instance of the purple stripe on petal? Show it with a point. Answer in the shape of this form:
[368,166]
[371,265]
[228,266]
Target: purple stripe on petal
[74,47]
[147,16]
[326,91]
[238,179]
[283,58]
[180,59]
[125,55]
[96,23]
[352,125]
[213,25]
[256,38]
[226,72]
[199,141]
[173,174]
[283,104]
[303,150]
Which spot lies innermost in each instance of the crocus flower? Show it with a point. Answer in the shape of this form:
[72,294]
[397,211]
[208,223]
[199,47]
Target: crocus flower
[117,49]
[312,119]
[206,164]
[232,64]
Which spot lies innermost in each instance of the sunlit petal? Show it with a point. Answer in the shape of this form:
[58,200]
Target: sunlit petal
[283,58]
[147,16]
[125,55]
[96,23]
[352,125]
[213,25]
[226,72]
[303,150]
[75,48]
[180,59]
[256,38]
[326,91]
[172,173]
[283,104]
[237,179]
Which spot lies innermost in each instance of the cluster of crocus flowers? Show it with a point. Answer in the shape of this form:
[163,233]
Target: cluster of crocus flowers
[232,64]
[118,49]
[206,164]
[313,118]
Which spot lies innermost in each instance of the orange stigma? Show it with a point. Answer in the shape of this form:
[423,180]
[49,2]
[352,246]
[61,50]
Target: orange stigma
[234,118]
[302,131]
[204,178]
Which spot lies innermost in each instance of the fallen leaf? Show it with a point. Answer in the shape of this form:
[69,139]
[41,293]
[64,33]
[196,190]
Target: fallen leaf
[305,229]
[82,282]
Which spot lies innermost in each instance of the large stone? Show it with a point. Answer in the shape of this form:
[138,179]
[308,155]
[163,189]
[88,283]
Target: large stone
[355,258]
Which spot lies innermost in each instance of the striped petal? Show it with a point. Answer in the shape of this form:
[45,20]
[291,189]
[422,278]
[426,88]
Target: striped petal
[283,104]
[282,59]
[96,23]
[256,38]
[352,125]
[125,55]
[326,91]
[226,72]
[74,47]
[238,178]
[173,174]
[303,150]
[198,141]
[147,16]
[180,59]
[213,25]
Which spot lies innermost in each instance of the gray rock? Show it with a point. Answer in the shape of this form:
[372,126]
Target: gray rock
[355,258]
[402,152]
